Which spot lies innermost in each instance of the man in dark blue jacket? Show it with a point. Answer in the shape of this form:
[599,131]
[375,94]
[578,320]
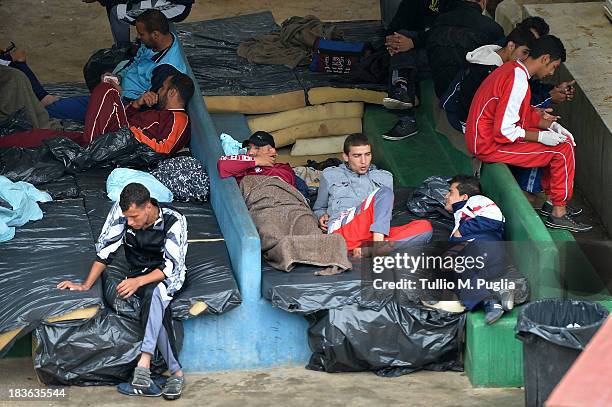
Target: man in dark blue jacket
[479,225]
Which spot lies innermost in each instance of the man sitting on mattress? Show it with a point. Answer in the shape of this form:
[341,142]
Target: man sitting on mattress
[164,127]
[355,200]
[259,160]
[159,51]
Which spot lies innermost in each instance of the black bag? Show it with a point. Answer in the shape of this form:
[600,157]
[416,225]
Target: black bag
[104,60]
[334,56]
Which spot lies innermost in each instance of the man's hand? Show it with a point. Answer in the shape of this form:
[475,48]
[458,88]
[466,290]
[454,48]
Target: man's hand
[396,43]
[265,160]
[18,55]
[323,222]
[546,114]
[69,285]
[563,92]
[556,127]
[148,98]
[128,287]
[551,138]
[112,80]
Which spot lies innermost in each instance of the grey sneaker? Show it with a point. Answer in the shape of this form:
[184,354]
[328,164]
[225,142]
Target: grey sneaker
[173,388]
[546,210]
[142,378]
[493,312]
[568,223]
[507,299]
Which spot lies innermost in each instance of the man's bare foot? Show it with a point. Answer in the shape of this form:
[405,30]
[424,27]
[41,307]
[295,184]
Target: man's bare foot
[49,99]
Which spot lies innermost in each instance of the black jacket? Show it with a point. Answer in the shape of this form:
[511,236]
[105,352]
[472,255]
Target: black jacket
[452,35]
[417,15]
[473,76]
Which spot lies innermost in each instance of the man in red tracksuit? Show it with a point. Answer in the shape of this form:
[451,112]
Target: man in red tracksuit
[259,160]
[502,126]
[164,129]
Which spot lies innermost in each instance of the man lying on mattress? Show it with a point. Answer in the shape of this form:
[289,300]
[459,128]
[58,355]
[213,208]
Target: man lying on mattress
[355,200]
[157,119]
[259,160]
[286,225]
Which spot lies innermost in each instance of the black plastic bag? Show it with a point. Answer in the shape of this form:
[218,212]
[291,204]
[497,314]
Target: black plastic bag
[62,188]
[398,339]
[112,276]
[428,199]
[63,149]
[100,351]
[115,149]
[33,165]
[102,61]
[549,320]
[15,123]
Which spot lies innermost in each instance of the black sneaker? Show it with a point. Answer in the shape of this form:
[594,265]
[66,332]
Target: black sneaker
[173,388]
[568,223]
[493,312]
[404,128]
[400,98]
[547,208]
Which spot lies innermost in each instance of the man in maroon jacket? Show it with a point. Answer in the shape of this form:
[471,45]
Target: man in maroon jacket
[164,128]
[259,160]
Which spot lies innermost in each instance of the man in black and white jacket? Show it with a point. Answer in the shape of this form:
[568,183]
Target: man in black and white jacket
[154,237]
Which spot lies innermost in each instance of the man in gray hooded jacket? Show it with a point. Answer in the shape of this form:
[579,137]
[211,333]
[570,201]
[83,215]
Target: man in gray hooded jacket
[355,200]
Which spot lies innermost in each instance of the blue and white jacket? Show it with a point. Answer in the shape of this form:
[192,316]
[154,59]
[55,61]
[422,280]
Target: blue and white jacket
[478,218]
[136,77]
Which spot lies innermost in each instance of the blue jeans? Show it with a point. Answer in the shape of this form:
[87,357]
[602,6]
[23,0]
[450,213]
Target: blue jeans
[72,108]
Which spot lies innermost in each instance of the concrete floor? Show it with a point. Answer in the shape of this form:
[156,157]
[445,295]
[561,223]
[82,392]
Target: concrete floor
[285,386]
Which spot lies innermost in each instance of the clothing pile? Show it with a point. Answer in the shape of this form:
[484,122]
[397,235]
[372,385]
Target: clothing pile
[185,177]
[18,205]
[291,45]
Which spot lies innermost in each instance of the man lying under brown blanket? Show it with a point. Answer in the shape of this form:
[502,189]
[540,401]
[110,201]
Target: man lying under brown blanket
[288,229]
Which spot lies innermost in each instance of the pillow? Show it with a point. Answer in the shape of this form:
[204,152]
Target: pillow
[320,145]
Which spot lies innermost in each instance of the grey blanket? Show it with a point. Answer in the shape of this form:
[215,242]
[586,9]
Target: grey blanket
[287,227]
[289,46]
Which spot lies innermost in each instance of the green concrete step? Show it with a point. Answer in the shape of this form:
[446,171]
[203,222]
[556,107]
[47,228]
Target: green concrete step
[493,356]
